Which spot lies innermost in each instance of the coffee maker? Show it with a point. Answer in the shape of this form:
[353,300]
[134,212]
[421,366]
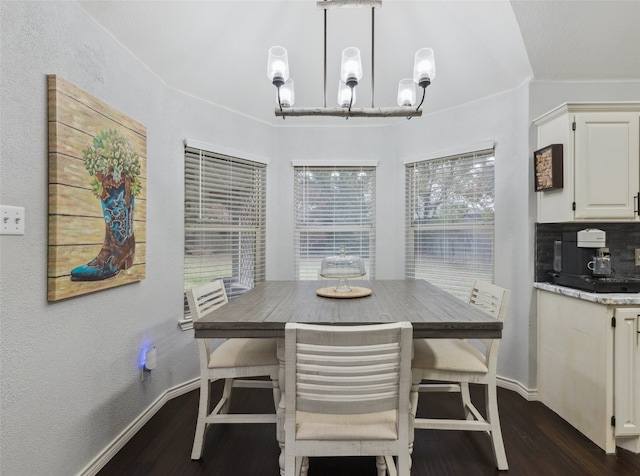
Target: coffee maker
[584,253]
[581,261]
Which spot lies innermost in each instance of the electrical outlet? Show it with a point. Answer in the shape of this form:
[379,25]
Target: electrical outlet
[637,255]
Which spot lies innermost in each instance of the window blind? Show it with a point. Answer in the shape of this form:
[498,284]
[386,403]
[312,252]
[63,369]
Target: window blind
[224,220]
[450,220]
[334,207]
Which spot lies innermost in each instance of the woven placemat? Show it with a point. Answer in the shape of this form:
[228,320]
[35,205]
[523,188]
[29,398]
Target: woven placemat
[354,293]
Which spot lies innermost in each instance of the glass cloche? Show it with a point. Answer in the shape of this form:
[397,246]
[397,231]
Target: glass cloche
[342,267]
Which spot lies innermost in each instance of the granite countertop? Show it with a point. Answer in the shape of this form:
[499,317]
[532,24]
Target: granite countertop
[600,298]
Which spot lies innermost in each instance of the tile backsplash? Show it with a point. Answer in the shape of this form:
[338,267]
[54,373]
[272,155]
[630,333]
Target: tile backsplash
[622,240]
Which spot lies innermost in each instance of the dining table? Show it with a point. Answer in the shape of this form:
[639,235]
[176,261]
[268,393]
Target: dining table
[264,311]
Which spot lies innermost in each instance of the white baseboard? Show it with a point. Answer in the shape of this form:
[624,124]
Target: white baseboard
[529,394]
[118,443]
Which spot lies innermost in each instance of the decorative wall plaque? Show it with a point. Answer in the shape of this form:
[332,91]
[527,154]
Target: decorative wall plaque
[547,164]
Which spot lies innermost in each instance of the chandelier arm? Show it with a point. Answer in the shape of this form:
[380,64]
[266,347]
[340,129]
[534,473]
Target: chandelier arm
[343,112]
[424,90]
[279,102]
[351,100]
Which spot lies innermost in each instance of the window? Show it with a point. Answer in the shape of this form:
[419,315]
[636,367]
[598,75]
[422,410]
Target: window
[224,221]
[450,220]
[334,207]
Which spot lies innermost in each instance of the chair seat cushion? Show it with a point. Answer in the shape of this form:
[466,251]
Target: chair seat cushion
[449,355]
[366,426]
[244,353]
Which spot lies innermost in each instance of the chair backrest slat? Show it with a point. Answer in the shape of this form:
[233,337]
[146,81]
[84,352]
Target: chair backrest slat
[493,300]
[206,298]
[348,369]
[490,298]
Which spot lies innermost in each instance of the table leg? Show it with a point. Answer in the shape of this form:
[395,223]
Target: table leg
[280,411]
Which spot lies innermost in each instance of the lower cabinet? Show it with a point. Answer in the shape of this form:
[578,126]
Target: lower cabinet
[589,367]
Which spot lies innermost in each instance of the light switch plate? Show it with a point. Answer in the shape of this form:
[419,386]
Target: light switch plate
[11,220]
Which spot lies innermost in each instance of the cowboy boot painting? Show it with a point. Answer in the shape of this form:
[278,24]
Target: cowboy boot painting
[118,248]
[115,167]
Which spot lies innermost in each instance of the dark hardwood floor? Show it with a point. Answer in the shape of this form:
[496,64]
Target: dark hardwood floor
[537,441]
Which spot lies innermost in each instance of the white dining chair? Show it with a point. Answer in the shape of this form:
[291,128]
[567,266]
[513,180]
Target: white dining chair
[347,393]
[233,360]
[455,363]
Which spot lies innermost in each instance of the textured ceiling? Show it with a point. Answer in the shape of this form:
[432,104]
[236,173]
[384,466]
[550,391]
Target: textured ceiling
[581,40]
[217,50]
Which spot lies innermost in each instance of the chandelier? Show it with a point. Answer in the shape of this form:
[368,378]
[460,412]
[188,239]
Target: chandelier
[424,71]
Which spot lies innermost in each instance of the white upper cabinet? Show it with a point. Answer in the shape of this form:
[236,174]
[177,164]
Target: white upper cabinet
[601,162]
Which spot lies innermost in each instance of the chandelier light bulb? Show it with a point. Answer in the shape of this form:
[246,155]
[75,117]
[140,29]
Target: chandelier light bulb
[424,67]
[344,95]
[351,66]
[406,92]
[278,65]
[287,94]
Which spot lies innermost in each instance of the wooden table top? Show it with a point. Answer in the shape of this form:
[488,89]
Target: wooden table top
[264,310]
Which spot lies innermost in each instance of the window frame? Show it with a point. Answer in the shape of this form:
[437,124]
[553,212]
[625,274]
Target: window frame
[479,227]
[234,221]
[302,272]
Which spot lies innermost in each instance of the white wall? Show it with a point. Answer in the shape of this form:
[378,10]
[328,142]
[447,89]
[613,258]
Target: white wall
[69,379]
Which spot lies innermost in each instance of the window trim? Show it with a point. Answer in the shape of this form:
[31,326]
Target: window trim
[337,164]
[186,322]
[217,149]
[484,149]
[334,163]
[443,154]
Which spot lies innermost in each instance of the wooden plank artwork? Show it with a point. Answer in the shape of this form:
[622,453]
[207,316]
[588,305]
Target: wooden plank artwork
[97,194]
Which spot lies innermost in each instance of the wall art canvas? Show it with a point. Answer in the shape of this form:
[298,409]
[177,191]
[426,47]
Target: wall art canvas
[97,194]
[547,164]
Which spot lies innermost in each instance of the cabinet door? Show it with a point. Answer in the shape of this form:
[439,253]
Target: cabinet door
[575,364]
[607,165]
[555,206]
[627,371]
